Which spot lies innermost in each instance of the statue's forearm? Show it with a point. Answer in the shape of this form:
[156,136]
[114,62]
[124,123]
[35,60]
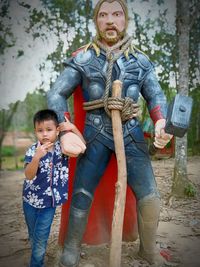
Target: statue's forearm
[61,90]
[154,95]
[58,103]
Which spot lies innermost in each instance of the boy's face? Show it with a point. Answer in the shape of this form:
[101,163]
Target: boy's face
[46,131]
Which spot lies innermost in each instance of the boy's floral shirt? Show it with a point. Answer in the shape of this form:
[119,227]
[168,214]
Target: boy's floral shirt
[49,187]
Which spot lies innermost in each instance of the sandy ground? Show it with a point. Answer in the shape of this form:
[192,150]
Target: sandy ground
[178,232]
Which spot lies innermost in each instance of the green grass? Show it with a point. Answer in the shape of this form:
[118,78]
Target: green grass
[190,190]
[8,163]
[8,151]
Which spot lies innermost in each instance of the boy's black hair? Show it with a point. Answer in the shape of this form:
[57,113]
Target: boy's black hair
[45,115]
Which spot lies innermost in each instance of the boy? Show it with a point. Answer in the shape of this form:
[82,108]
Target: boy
[46,183]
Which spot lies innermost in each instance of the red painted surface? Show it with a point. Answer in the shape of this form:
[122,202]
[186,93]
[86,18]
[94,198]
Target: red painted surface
[100,219]
[156,114]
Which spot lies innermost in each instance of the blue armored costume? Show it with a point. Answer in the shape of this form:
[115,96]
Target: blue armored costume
[89,69]
[137,75]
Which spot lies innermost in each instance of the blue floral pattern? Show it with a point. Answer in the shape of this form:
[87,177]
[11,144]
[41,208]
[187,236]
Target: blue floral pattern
[49,187]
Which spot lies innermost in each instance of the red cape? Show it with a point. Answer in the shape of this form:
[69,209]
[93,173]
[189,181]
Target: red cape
[99,225]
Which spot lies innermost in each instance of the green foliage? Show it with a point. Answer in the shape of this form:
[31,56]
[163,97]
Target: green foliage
[60,17]
[160,2]
[9,163]
[32,103]
[6,38]
[23,116]
[164,53]
[161,50]
[194,48]
[194,130]
[56,57]
[20,53]
[21,159]
[190,190]
[24,5]
[8,151]
[6,117]
[194,82]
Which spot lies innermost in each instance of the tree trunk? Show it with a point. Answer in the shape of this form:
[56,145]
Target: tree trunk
[180,178]
[6,119]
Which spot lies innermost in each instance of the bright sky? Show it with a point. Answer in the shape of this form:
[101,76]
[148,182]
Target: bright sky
[18,76]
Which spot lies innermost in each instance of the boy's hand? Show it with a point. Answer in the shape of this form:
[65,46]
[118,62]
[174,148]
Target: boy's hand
[42,150]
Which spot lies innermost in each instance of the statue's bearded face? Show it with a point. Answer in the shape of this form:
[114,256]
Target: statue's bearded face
[111,22]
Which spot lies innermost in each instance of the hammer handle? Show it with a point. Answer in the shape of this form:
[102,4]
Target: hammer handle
[153,149]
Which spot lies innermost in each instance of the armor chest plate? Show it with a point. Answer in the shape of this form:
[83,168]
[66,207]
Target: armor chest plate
[94,75]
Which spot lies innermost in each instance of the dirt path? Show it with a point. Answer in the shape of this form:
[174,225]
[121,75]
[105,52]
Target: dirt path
[178,233]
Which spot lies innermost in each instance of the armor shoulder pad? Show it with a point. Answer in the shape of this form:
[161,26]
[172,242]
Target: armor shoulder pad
[67,61]
[83,57]
[74,54]
[143,61]
[78,50]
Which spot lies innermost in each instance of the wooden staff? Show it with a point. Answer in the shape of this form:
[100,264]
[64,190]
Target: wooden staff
[121,185]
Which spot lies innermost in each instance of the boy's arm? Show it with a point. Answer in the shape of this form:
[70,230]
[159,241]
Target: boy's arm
[32,167]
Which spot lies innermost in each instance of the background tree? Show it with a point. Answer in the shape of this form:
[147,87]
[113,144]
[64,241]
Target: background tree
[194,74]
[160,46]
[180,178]
[6,40]
[5,122]
[69,21]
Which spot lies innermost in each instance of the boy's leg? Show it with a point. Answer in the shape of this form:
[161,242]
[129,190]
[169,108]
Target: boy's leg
[43,219]
[41,235]
[30,214]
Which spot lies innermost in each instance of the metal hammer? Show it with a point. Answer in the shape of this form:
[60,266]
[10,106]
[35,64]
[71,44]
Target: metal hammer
[178,118]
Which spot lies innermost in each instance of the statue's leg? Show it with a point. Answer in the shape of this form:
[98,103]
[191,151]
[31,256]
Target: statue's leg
[90,168]
[76,227]
[142,181]
[148,218]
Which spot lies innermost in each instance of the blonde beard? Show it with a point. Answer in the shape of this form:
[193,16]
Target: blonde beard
[111,40]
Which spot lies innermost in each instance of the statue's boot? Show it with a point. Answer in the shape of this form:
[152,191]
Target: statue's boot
[148,217]
[72,246]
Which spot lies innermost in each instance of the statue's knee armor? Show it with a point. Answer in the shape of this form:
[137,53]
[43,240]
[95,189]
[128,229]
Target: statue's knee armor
[82,199]
[149,207]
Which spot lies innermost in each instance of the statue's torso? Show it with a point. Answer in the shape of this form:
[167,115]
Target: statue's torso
[94,72]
